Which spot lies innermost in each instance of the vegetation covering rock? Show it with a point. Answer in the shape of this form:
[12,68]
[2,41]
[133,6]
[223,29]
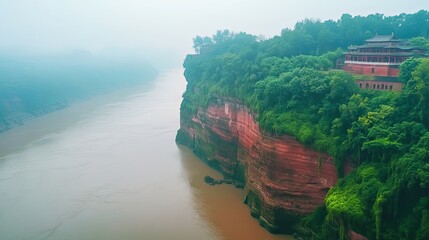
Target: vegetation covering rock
[384,133]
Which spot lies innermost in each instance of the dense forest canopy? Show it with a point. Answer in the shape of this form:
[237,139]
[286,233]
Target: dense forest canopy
[316,37]
[289,83]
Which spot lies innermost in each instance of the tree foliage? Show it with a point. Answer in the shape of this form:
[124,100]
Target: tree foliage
[289,82]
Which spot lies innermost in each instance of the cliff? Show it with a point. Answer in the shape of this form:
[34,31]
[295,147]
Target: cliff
[284,179]
[386,134]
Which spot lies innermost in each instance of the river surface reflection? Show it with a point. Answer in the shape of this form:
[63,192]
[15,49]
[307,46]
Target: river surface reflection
[109,168]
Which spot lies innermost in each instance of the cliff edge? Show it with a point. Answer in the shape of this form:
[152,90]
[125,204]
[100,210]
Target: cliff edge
[284,179]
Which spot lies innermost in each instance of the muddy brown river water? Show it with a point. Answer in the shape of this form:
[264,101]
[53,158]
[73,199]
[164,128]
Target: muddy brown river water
[109,168]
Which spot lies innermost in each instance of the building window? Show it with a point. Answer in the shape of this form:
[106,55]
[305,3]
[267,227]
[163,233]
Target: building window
[367,86]
[382,86]
[372,70]
[390,87]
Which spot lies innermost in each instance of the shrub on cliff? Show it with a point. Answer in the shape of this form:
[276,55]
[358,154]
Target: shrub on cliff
[384,133]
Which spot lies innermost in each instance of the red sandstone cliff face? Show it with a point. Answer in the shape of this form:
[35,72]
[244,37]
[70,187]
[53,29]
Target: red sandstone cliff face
[284,178]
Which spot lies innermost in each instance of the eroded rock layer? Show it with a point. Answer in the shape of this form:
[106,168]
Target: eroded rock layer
[284,179]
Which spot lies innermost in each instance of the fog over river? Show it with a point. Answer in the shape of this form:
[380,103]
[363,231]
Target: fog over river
[108,168]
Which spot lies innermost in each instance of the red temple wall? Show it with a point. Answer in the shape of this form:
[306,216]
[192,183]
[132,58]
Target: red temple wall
[363,69]
[394,72]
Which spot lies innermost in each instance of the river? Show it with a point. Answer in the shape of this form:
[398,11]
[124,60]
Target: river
[108,168]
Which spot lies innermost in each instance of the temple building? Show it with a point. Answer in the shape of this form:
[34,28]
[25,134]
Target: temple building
[380,57]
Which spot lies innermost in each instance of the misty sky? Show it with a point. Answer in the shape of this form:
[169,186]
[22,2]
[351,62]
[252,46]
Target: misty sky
[164,26]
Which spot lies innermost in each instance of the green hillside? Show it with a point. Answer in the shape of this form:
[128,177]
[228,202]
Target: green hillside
[288,83]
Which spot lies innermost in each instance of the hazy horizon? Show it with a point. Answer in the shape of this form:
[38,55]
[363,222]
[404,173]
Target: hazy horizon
[161,31]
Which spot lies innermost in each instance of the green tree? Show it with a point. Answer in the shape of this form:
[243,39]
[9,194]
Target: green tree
[420,81]
[408,67]
[198,44]
[420,42]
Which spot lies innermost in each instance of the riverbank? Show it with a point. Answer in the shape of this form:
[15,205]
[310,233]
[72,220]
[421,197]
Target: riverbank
[109,168]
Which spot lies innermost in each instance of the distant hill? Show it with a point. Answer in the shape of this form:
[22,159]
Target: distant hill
[32,86]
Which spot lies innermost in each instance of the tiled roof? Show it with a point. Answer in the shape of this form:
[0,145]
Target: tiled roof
[382,38]
[387,79]
[381,45]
